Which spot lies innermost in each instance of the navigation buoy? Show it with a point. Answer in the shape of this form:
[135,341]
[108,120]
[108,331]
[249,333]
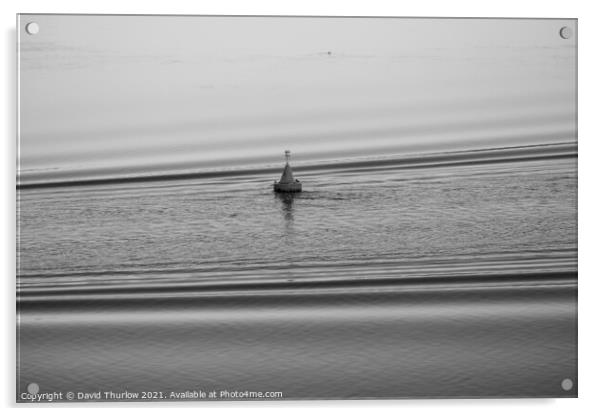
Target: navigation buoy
[287,182]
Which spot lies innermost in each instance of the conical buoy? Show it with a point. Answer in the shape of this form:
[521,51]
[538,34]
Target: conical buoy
[287,182]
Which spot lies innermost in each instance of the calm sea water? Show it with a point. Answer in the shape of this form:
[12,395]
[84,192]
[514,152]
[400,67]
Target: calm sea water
[377,281]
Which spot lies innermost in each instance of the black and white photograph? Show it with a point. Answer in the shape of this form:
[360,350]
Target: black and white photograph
[269,208]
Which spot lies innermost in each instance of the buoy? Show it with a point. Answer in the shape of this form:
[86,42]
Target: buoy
[287,182]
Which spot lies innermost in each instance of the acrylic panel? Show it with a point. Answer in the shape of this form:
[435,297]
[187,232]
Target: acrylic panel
[284,208]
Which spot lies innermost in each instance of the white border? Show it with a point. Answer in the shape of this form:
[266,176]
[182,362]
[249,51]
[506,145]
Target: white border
[590,287]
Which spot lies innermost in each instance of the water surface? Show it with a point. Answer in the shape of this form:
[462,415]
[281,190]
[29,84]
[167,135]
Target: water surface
[442,276]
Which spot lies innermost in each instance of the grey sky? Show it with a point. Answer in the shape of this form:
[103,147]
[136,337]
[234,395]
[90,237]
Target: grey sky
[117,94]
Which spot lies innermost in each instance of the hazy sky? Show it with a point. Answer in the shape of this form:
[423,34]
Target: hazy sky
[117,94]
